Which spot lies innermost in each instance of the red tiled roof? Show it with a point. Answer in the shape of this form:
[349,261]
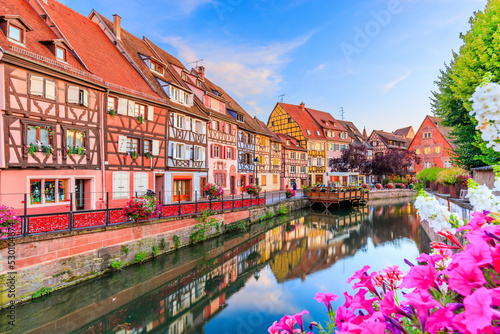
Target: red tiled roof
[390,136]
[403,132]
[305,121]
[326,121]
[294,143]
[96,50]
[41,32]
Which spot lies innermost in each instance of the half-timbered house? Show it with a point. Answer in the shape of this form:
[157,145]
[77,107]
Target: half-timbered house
[222,132]
[50,116]
[267,172]
[186,125]
[296,122]
[382,142]
[134,116]
[293,162]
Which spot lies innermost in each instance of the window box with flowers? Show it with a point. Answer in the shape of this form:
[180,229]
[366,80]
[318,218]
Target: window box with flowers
[148,155]
[133,154]
[75,150]
[39,139]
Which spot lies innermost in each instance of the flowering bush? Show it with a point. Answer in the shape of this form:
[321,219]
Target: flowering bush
[289,193]
[463,179]
[389,186]
[9,221]
[444,292]
[213,191]
[448,176]
[379,186]
[365,186]
[142,208]
[400,186]
[486,107]
[253,189]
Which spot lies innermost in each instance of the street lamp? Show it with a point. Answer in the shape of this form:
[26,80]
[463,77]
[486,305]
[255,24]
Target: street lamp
[256,163]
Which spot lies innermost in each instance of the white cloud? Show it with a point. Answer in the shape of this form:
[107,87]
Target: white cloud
[392,84]
[247,71]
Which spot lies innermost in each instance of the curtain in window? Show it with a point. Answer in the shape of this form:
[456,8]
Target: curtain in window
[44,136]
[32,135]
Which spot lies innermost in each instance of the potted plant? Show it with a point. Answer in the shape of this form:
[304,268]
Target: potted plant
[213,191]
[141,120]
[253,189]
[47,149]
[112,112]
[142,208]
[429,177]
[133,155]
[34,148]
[148,155]
[379,186]
[289,193]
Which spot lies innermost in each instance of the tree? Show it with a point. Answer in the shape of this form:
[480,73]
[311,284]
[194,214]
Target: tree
[395,162]
[353,159]
[479,55]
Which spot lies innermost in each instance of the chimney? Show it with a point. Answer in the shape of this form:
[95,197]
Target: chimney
[302,106]
[117,26]
[201,70]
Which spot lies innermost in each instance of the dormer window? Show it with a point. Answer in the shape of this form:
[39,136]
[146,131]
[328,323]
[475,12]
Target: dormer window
[198,83]
[317,132]
[308,132]
[155,66]
[14,28]
[16,34]
[61,53]
[184,76]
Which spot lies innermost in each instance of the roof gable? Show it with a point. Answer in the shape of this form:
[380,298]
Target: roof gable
[304,120]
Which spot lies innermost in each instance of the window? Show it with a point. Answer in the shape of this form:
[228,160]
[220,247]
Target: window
[60,53]
[215,125]
[308,132]
[438,150]
[44,191]
[39,135]
[229,153]
[276,161]
[199,153]
[16,33]
[198,127]
[239,118]
[198,83]
[272,123]
[427,150]
[320,162]
[318,147]
[179,151]
[140,110]
[275,179]
[39,86]
[427,135]
[76,95]
[289,120]
[180,96]
[288,142]
[121,185]
[303,156]
[417,151]
[184,76]
[427,165]
[132,145]
[154,66]
[75,138]
[217,151]
[179,121]
[309,162]
[292,155]
[292,169]
[303,170]
[447,164]
[147,146]
[264,180]
[317,132]
[112,103]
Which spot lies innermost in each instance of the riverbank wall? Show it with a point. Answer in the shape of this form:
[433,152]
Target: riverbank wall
[55,261]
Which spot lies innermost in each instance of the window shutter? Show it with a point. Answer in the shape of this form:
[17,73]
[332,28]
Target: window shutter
[122,106]
[151,113]
[174,120]
[212,148]
[187,123]
[156,147]
[85,101]
[36,85]
[50,89]
[122,144]
[73,94]
[131,108]
[221,107]
[203,154]
[223,152]
[171,149]
[207,101]
[210,124]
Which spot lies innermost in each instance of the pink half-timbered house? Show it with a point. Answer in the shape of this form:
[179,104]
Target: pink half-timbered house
[50,117]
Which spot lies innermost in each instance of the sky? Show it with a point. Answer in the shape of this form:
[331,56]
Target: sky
[376,60]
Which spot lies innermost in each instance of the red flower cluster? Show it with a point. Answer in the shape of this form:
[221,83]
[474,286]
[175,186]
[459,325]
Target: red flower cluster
[142,208]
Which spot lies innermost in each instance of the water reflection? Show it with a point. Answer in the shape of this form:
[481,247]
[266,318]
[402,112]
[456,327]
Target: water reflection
[238,284]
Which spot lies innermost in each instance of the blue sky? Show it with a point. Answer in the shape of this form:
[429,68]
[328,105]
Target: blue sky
[378,59]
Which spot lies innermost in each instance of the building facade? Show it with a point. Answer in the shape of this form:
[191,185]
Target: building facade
[432,144]
[293,163]
[382,142]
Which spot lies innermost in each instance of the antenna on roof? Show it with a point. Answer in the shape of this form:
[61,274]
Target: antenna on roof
[342,112]
[196,61]
[282,96]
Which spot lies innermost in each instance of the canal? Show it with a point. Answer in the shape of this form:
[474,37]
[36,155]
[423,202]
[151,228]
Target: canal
[239,283]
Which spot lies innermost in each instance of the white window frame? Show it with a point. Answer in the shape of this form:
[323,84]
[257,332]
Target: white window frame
[292,169]
[179,151]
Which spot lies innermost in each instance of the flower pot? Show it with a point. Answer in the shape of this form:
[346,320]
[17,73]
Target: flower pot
[456,189]
[288,195]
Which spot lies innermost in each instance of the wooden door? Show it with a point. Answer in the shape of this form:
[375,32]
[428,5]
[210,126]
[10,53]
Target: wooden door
[232,185]
[182,190]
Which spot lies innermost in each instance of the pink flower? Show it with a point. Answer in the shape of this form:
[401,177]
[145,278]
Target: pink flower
[421,277]
[464,278]
[326,298]
[343,316]
[478,313]
[423,302]
[360,302]
[440,319]
[298,319]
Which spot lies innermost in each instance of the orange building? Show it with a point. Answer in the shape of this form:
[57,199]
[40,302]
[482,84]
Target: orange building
[432,144]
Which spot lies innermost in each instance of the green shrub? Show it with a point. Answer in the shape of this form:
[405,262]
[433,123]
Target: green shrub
[385,181]
[163,243]
[42,292]
[116,264]
[428,174]
[448,176]
[282,210]
[141,256]
[125,249]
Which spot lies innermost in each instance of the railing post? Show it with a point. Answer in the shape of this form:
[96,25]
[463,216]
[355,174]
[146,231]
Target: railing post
[70,224]
[222,203]
[161,203]
[265,197]
[196,201]
[179,204]
[210,199]
[233,200]
[25,228]
[107,209]
[242,199]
